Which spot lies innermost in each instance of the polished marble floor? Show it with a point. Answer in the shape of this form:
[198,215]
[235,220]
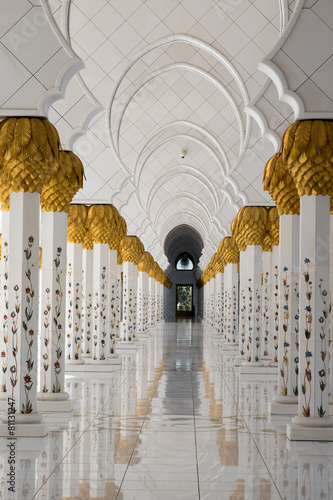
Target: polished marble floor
[175,421]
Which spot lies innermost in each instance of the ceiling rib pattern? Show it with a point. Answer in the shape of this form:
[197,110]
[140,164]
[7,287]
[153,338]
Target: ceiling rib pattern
[171,76]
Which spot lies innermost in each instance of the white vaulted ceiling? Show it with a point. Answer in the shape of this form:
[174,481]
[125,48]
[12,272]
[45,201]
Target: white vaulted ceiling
[165,76]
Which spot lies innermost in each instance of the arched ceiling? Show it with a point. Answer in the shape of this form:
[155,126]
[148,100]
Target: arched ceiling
[162,77]
[183,238]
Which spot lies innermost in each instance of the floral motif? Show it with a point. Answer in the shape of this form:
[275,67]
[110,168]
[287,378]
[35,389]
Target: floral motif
[266,315]
[58,326]
[296,331]
[276,315]
[70,309]
[249,317]
[306,385]
[284,372]
[5,258]
[46,324]
[242,321]
[323,320]
[28,314]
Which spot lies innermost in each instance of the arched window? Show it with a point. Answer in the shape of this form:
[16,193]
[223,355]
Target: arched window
[184,262]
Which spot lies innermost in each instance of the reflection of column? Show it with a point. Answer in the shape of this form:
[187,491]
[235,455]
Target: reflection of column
[313,408]
[131,250]
[52,478]
[4,302]
[76,229]
[87,295]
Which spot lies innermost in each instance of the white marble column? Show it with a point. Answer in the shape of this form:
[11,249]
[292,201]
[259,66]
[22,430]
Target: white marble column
[243,292]
[4,303]
[23,272]
[288,357]
[113,299]
[74,304]
[119,298]
[151,305]
[87,300]
[218,306]
[52,393]
[231,286]
[254,330]
[313,421]
[129,301]
[275,303]
[101,336]
[266,306]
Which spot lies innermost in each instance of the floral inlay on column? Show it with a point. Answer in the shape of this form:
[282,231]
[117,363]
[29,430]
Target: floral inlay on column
[4,298]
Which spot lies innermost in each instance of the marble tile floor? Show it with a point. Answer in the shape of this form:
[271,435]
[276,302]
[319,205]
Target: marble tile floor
[174,422]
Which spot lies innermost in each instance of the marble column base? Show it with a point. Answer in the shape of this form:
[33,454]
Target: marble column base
[310,429]
[283,405]
[74,362]
[230,346]
[52,401]
[143,336]
[25,426]
[86,355]
[127,345]
[239,360]
[256,369]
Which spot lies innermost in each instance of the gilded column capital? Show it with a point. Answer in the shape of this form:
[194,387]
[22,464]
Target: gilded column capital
[65,180]
[153,270]
[29,152]
[278,181]
[76,223]
[102,221]
[307,152]
[251,226]
[118,234]
[228,250]
[145,263]
[131,249]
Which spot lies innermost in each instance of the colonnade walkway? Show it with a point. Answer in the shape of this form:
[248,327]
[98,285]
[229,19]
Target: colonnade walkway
[174,421]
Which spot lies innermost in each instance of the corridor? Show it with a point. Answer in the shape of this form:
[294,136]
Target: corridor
[175,421]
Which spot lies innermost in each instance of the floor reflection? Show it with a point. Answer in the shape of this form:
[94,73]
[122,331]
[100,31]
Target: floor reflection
[175,421]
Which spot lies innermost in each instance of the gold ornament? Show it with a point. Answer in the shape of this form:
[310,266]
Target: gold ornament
[131,249]
[251,226]
[88,243]
[102,221]
[307,152]
[76,223]
[59,188]
[119,259]
[217,264]
[274,225]
[40,258]
[280,185]
[118,234]
[29,152]
[154,270]
[145,263]
[228,250]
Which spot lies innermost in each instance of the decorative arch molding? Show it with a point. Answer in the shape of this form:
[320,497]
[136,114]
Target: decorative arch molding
[265,131]
[186,67]
[183,123]
[86,119]
[202,232]
[189,138]
[181,196]
[179,169]
[66,73]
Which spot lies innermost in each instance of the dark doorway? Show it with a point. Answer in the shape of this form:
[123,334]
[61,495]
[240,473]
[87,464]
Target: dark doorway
[184,300]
